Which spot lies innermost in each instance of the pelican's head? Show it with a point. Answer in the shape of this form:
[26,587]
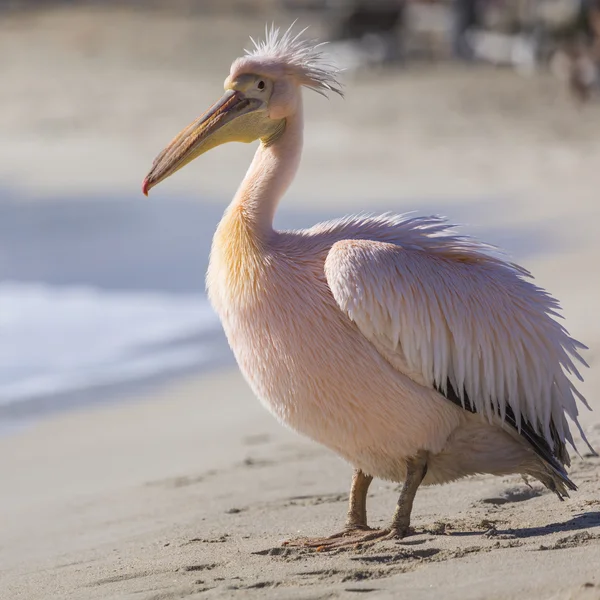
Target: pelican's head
[262,90]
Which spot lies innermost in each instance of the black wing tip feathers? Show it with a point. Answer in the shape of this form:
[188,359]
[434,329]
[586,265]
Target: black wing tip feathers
[555,458]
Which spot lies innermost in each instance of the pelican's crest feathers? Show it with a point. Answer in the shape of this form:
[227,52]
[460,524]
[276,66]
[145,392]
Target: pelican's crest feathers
[301,58]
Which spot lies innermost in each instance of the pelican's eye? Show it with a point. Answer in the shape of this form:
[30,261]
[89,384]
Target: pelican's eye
[261,85]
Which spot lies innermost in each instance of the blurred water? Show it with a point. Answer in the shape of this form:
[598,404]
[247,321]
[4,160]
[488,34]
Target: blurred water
[63,339]
[98,297]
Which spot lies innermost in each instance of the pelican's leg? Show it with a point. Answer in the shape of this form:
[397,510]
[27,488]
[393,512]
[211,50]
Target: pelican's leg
[357,503]
[356,521]
[416,469]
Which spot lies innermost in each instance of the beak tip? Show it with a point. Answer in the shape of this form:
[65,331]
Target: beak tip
[145,187]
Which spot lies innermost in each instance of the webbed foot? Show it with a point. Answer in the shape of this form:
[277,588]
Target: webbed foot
[355,537]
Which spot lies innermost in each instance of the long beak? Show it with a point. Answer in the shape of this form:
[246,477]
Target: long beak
[192,141]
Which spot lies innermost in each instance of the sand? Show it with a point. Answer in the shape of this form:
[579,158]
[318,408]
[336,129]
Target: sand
[190,493]
[189,490]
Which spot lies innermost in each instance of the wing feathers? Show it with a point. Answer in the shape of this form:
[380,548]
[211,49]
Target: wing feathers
[555,456]
[463,321]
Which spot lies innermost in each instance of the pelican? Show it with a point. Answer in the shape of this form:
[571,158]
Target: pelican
[418,355]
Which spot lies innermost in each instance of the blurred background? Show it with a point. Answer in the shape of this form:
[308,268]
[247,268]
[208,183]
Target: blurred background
[482,110]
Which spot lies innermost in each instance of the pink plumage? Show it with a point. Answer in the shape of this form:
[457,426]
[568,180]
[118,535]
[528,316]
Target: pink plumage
[415,353]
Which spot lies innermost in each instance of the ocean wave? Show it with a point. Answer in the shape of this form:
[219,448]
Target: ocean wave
[56,340]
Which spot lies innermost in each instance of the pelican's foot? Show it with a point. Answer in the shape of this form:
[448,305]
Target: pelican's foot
[355,537]
[348,533]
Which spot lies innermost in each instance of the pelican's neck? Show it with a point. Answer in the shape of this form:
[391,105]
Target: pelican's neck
[269,176]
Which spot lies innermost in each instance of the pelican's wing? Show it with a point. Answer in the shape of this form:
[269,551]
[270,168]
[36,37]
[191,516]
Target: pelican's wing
[470,325]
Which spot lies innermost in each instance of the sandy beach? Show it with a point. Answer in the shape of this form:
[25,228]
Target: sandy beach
[190,494]
[189,489]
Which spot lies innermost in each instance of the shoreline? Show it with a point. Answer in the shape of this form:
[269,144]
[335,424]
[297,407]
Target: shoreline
[22,415]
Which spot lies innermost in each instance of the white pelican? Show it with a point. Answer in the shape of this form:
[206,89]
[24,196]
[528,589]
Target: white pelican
[410,351]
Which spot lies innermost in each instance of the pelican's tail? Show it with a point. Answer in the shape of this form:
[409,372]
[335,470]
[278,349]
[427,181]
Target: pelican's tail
[555,478]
